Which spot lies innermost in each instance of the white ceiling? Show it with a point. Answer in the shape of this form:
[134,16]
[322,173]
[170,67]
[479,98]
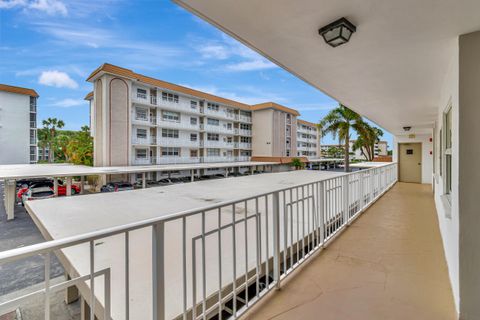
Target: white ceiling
[391,71]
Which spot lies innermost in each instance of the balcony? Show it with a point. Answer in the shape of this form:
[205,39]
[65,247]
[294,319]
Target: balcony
[143,161]
[177,160]
[177,142]
[152,101]
[243,132]
[178,125]
[387,255]
[152,140]
[211,159]
[218,144]
[216,129]
[222,114]
[244,145]
[388,265]
[245,119]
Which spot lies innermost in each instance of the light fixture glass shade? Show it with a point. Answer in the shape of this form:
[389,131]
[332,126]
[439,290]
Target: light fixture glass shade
[337,32]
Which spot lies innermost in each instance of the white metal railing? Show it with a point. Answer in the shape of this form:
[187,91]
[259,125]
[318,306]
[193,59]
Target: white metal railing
[223,114]
[177,160]
[245,119]
[244,132]
[217,144]
[245,145]
[217,129]
[144,141]
[228,255]
[166,104]
[177,142]
[178,125]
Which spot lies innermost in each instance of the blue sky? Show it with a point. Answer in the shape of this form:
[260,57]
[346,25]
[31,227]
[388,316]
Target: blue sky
[53,45]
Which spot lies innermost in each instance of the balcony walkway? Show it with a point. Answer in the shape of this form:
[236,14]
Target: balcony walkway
[389,264]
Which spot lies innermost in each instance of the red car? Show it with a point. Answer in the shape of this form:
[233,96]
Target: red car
[62,189]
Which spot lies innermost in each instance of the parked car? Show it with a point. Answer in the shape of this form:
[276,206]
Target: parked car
[164,182]
[23,183]
[37,193]
[62,189]
[116,186]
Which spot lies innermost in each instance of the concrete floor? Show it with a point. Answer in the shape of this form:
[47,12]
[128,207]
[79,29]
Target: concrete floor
[389,264]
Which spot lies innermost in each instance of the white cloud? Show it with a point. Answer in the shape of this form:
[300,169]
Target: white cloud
[50,7]
[256,64]
[252,96]
[57,79]
[68,103]
[241,58]
[214,51]
[9,4]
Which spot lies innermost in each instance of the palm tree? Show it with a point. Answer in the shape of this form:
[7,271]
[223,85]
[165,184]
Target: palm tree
[367,139]
[51,125]
[339,122]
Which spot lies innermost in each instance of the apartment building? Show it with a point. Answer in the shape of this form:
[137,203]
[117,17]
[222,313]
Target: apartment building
[308,139]
[274,130]
[18,125]
[138,120]
[380,149]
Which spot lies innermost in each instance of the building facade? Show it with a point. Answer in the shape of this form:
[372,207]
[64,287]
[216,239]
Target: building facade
[18,125]
[308,139]
[138,120]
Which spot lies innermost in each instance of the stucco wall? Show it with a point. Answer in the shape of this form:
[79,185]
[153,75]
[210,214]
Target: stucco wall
[469,175]
[427,158]
[14,128]
[262,130]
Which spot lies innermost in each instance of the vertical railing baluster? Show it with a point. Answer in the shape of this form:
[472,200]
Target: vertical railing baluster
[246,253]
[291,228]
[158,268]
[46,257]
[258,243]
[220,302]
[204,271]
[127,275]
[184,265]
[234,251]
[276,239]
[267,244]
[107,295]
[285,233]
[92,280]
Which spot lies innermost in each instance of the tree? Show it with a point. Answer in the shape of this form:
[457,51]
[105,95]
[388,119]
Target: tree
[50,127]
[367,138]
[339,122]
[80,148]
[297,163]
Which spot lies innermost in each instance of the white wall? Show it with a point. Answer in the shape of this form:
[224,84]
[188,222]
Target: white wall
[14,128]
[448,214]
[427,147]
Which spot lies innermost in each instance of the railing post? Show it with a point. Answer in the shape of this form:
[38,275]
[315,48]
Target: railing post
[346,205]
[321,211]
[362,197]
[158,270]
[276,238]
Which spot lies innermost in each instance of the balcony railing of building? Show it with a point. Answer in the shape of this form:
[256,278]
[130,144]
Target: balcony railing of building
[218,144]
[243,118]
[177,142]
[177,160]
[152,140]
[165,104]
[252,245]
[178,125]
[243,145]
[223,114]
[216,129]
[244,132]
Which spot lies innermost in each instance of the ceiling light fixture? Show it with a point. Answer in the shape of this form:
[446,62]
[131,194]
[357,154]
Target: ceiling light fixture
[337,32]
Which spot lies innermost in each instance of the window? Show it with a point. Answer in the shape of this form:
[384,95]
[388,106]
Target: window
[193,137]
[33,104]
[447,121]
[141,114]
[193,105]
[229,126]
[169,133]
[244,126]
[213,152]
[245,139]
[193,121]
[171,152]
[142,133]
[33,136]
[170,97]
[213,106]
[33,153]
[193,153]
[141,93]
[141,153]
[213,137]
[171,116]
[213,122]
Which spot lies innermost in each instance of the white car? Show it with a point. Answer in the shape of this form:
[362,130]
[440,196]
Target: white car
[38,193]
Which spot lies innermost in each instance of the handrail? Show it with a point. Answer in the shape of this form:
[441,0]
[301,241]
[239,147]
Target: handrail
[18,253]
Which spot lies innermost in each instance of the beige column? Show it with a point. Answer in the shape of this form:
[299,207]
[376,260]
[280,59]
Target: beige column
[10,199]
[144,180]
[55,186]
[69,186]
[82,184]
